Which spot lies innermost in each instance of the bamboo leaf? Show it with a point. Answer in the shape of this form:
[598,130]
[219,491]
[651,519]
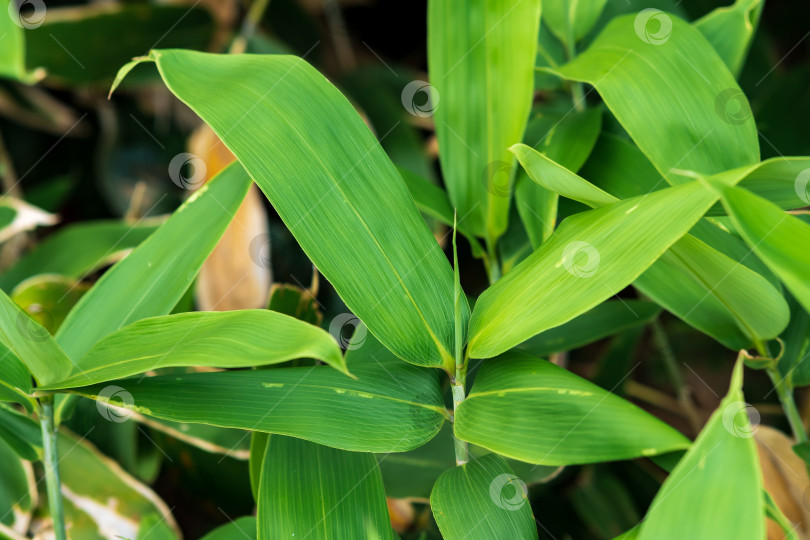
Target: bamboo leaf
[238,528]
[495,54]
[777,238]
[721,466]
[18,493]
[566,138]
[226,339]
[21,433]
[672,93]
[696,282]
[391,406]
[591,256]
[730,30]
[313,491]
[151,279]
[480,500]
[347,206]
[31,343]
[15,380]
[581,422]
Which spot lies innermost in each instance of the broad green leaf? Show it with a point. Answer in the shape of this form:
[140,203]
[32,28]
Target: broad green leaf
[48,298]
[391,406]
[78,250]
[15,380]
[672,93]
[579,422]
[151,279]
[258,444]
[21,433]
[480,500]
[31,343]
[730,30]
[794,364]
[333,186]
[692,280]
[91,480]
[722,467]
[18,491]
[600,322]
[571,20]
[312,491]
[778,238]
[481,56]
[592,256]
[566,138]
[243,527]
[226,339]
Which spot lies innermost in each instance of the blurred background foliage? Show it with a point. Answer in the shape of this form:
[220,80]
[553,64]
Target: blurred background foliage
[70,151]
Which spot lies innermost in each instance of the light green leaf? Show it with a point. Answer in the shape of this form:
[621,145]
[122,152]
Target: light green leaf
[490,47]
[21,433]
[243,527]
[13,24]
[730,30]
[77,250]
[672,93]
[333,186]
[592,256]
[151,279]
[227,339]
[313,491]
[579,421]
[778,238]
[571,20]
[258,444]
[154,527]
[604,320]
[566,138]
[391,406]
[699,284]
[722,467]
[15,380]
[31,343]
[480,500]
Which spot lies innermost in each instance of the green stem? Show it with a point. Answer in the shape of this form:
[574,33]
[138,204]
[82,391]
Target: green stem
[785,392]
[249,25]
[458,385]
[51,464]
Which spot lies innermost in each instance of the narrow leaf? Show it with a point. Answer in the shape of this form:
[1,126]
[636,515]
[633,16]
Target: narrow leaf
[730,30]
